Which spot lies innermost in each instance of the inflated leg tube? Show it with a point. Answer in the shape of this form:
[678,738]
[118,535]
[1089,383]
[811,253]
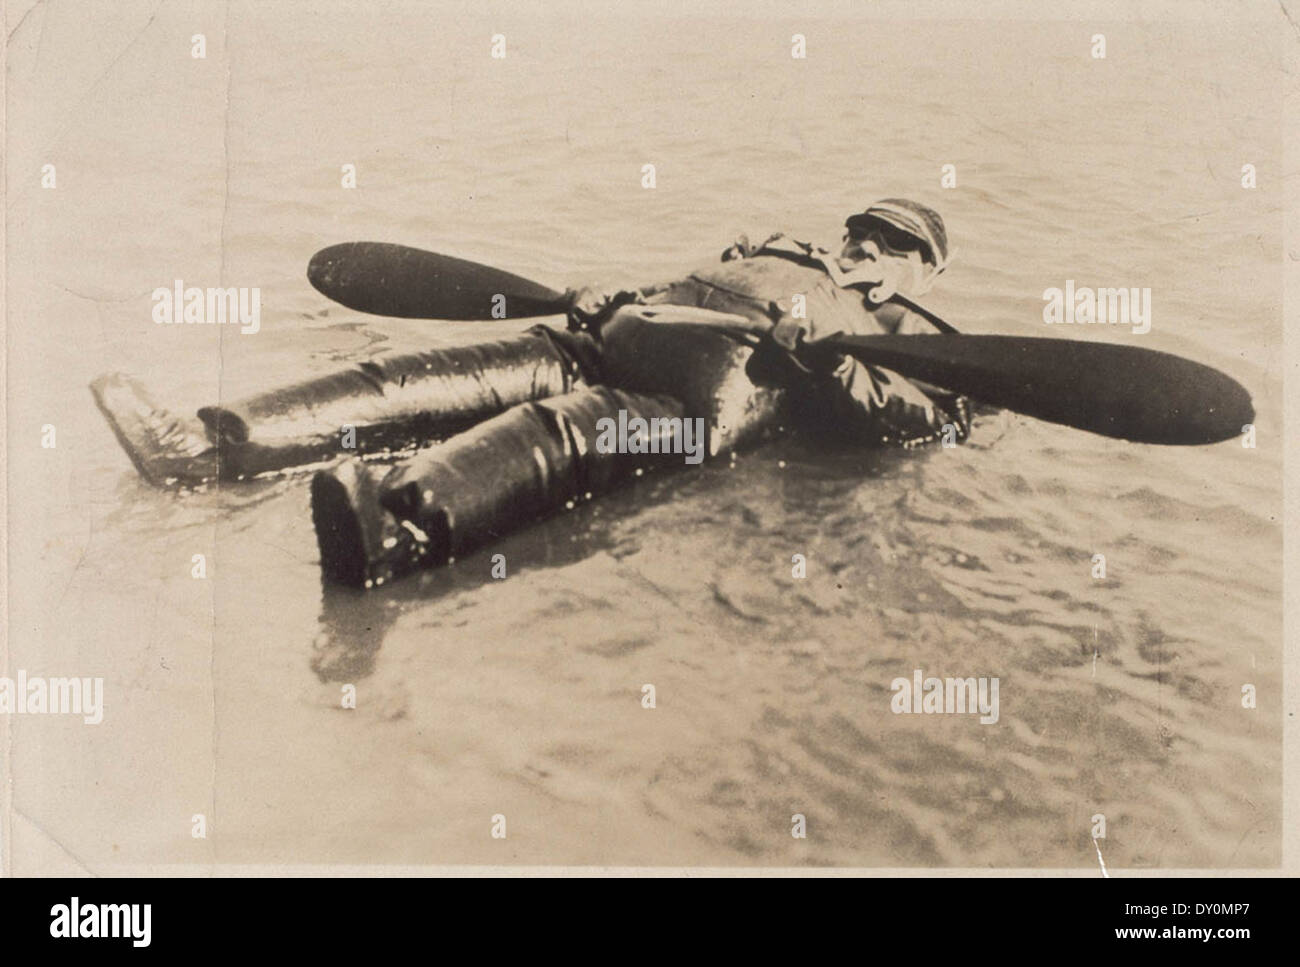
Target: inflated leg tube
[395,402]
[514,468]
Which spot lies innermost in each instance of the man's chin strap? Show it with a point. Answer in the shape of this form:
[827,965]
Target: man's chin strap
[866,277]
[803,253]
[924,313]
[878,286]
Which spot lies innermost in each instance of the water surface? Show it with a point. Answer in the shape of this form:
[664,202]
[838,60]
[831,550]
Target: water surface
[523,697]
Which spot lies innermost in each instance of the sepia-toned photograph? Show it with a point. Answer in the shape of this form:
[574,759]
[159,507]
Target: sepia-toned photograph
[761,438]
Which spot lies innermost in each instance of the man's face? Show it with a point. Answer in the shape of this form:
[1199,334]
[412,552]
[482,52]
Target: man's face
[860,246]
[881,255]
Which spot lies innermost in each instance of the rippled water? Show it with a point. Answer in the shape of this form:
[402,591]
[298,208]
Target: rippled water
[477,697]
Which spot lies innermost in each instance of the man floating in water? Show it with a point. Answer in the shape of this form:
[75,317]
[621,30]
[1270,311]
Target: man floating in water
[649,357]
[506,431]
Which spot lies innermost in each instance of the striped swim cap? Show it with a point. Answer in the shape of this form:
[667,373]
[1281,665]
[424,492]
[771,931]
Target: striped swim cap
[913,218]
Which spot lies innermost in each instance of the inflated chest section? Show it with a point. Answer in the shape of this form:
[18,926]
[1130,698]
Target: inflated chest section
[716,376]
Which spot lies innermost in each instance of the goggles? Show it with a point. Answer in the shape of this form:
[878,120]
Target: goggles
[892,240]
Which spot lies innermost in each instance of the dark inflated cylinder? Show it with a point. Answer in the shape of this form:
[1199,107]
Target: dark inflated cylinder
[522,465]
[360,543]
[717,377]
[515,468]
[392,403]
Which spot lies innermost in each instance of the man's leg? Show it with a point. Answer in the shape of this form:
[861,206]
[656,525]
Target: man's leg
[389,404]
[510,470]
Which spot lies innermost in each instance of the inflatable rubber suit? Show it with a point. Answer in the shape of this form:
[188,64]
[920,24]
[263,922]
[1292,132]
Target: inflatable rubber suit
[538,453]
[518,417]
